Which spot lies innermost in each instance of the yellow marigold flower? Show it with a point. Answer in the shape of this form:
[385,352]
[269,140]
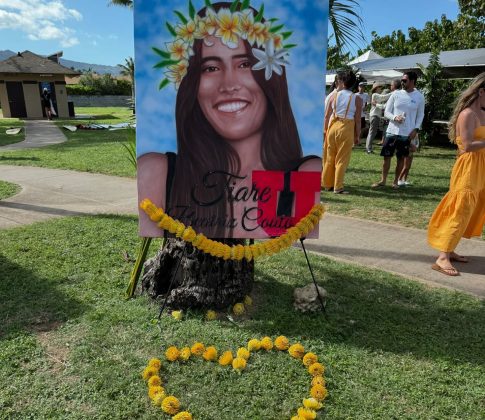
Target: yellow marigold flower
[154,381]
[155,363]
[248,301]
[210,354]
[306,413]
[248,253]
[318,380]
[309,359]
[266,343]
[239,364]
[154,390]
[183,415]
[243,353]
[297,351]
[178,315]
[318,392]
[158,398]
[238,309]
[198,349]
[171,405]
[312,404]
[210,315]
[189,234]
[281,343]
[172,354]
[297,418]
[254,344]
[226,358]
[148,372]
[185,354]
[316,369]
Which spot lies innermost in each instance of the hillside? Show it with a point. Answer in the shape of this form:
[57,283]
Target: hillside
[77,65]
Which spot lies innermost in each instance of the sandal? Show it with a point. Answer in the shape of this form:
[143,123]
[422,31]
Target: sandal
[341,192]
[449,271]
[378,185]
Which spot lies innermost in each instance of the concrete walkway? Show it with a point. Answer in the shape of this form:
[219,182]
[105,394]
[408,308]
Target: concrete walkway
[50,193]
[38,133]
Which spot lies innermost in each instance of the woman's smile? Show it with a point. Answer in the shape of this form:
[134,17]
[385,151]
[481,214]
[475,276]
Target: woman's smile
[232,107]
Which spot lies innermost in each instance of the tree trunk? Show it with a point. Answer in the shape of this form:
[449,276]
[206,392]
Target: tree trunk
[201,281]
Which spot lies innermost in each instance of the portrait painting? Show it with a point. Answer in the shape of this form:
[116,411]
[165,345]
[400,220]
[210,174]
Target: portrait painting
[230,106]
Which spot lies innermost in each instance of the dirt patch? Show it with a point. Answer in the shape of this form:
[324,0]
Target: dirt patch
[58,353]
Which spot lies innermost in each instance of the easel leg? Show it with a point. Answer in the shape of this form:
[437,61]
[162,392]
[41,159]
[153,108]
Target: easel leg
[313,277]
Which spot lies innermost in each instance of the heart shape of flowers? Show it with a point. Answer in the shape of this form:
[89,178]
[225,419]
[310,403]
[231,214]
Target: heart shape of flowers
[171,404]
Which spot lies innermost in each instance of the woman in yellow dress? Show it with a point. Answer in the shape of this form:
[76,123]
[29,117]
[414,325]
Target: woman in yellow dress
[461,212]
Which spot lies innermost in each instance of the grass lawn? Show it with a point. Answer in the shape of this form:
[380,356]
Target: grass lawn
[72,347]
[6,123]
[99,151]
[7,189]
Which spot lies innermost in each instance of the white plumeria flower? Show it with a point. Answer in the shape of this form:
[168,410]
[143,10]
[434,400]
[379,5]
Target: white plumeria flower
[270,59]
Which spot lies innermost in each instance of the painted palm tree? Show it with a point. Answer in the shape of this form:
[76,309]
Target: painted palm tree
[125,3]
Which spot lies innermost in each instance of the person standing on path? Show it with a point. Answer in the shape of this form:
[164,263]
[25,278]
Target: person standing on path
[405,112]
[461,212]
[341,131]
[378,103]
[46,103]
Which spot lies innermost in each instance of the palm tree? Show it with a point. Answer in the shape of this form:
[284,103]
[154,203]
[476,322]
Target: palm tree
[128,69]
[346,23]
[125,3]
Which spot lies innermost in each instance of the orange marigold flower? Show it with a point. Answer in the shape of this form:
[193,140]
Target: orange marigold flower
[307,413]
[318,392]
[171,405]
[211,315]
[238,309]
[281,343]
[312,404]
[309,359]
[185,354]
[226,358]
[183,415]
[172,354]
[197,349]
[316,369]
[210,354]
[297,351]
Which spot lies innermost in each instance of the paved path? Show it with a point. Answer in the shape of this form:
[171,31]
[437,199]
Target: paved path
[50,193]
[38,133]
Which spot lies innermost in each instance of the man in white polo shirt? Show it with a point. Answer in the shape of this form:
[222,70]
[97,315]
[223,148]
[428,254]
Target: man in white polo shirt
[405,112]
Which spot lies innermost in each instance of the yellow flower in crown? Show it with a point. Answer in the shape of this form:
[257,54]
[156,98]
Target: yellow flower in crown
[228,29]
[207,27]
[177,72]
[186,31]
[179,50]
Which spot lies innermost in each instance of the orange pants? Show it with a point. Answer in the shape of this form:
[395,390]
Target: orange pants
[338,147]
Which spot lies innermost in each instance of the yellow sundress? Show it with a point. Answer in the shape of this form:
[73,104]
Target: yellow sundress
[461,212]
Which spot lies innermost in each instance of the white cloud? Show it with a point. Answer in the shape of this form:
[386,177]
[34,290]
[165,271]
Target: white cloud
[40,20]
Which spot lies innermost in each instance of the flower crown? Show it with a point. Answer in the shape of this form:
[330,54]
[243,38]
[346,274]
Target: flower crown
[229,25]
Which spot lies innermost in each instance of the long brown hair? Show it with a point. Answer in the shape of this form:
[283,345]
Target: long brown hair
[466,98]
[201,149]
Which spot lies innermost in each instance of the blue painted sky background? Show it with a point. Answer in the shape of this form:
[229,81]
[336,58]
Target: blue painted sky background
[155,109]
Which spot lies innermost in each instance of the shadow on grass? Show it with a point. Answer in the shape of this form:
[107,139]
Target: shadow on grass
[378,312]
[31,303]
[4,157]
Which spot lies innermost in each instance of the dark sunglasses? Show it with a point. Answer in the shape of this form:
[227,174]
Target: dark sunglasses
[404,80]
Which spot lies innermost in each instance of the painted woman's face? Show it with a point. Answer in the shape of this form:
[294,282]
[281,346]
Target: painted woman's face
[230,98]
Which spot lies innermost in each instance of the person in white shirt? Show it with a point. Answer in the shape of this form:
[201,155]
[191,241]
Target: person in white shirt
[405,112]
[378,102]
[362,94]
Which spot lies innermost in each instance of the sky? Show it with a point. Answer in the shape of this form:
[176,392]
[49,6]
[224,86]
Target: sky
[90,31]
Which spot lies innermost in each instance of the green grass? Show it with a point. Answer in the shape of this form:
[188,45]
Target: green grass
[99,151]
[72,347]
[6,123]
[408,206]
[7,189]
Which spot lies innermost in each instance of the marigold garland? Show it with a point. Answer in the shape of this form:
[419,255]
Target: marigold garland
[237,252]
[172,406]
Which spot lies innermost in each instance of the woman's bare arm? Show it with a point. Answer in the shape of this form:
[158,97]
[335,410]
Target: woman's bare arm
[465,127]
